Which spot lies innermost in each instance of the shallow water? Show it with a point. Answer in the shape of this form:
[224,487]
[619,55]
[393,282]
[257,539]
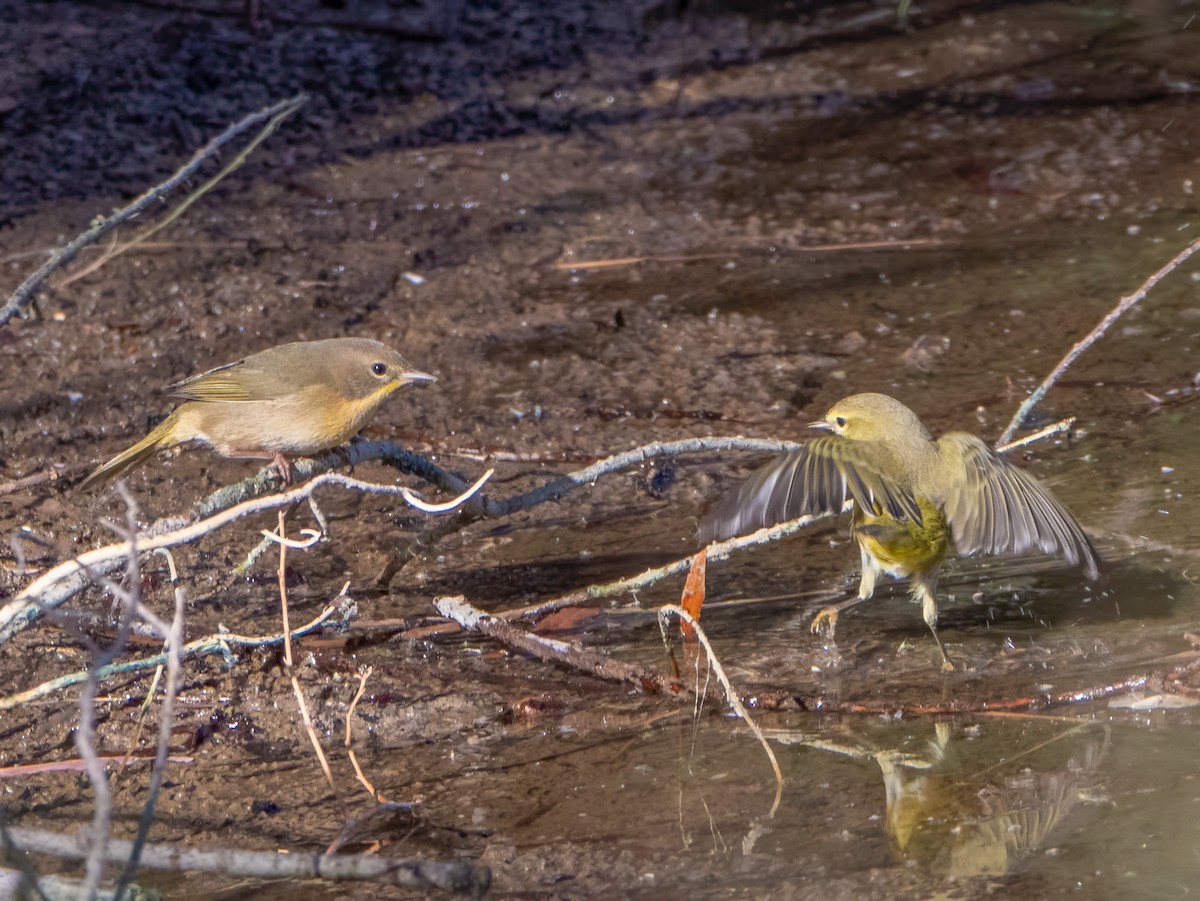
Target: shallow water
[795,205]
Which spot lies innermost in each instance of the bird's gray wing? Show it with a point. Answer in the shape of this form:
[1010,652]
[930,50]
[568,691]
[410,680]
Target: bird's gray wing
[996,508]
[814,480]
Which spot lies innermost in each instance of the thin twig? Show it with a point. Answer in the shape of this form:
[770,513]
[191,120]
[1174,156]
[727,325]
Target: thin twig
[362,688]
[719,550]
[220,643]
[77,765]
[37,596]
[731,696]
[28,290]
[163,745]
[1092,337]
[288,667]
[573,656]
[1063,425]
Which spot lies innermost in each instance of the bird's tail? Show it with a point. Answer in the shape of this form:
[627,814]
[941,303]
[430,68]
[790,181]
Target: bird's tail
[163,435]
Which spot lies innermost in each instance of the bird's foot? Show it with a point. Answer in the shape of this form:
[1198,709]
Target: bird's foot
[947,663]
[825,622]
[284,467]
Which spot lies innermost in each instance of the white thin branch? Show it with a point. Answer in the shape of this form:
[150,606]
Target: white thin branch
[192,532]
[414,499]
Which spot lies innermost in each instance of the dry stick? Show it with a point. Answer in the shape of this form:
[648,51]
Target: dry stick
[731,696]
[163,745]
[718,550]
[287,659]
[40,595]
[1093,336]
[609,263]
[28,290]
[234,164]
[362,688]
[486,508]
[52,473]
[76,765]
[473,619]
[85,735]
[451,876]
[575,657]
[220,643]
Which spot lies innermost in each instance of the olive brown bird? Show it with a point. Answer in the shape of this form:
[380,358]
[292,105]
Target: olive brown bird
[914,499]
[296,399]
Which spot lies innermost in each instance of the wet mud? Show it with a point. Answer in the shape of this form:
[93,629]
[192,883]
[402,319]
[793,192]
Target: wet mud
[601,227]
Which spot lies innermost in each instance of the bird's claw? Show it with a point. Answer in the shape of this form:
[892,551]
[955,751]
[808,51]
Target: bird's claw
[825,621]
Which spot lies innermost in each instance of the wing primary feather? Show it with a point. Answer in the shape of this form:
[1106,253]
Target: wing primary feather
[804,481]
[1001,509]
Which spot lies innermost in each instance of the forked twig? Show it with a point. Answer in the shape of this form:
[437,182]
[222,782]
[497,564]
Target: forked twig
[1092,337]
[731,696]
[289,667]
[36,596]
[28,290]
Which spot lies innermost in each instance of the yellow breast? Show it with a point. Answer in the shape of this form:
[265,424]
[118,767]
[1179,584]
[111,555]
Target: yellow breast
[901,546]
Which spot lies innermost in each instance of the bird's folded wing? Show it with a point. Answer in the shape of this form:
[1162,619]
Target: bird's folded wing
[996,508]
[813,480]
[233,381]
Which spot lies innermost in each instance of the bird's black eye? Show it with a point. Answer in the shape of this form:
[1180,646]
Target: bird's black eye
[379,368]
[841,422]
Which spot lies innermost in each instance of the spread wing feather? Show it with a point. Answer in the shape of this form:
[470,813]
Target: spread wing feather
[813,480]
[997,508]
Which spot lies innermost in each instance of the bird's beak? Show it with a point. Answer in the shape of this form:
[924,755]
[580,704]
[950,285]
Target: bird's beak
[820,424]
[415,375]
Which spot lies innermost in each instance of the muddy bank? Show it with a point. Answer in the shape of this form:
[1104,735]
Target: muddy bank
[601,227]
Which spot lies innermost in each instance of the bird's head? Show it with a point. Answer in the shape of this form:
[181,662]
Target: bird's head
[872,417]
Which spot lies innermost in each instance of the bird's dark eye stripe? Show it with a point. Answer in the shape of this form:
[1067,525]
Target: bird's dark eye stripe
[379,368]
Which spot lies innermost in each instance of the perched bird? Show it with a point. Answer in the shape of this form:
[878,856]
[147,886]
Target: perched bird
[914,498]
[295,399]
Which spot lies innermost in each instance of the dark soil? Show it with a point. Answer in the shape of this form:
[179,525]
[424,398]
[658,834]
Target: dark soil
[602,225]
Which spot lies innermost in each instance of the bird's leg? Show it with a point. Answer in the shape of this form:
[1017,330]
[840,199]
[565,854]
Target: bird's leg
[827,618]
[285,467]
[280,461]
[924,588]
